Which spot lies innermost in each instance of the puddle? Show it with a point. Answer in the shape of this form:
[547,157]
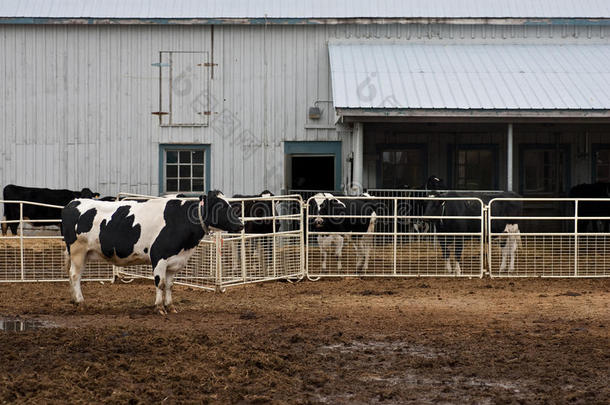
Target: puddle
[381,347]
[22,325]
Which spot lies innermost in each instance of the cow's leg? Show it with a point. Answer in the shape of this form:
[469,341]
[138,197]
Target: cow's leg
[261,252]
[160,276]
[4,226]
[445,248]
[322,241]
[367,242]
[338,249]
[169,284]
[77,259]
[458,245]
[235,258]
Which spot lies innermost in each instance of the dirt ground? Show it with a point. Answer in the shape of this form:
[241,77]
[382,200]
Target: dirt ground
[332,341]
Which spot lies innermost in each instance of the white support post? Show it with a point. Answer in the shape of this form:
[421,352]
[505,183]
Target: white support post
[21,240]
[575,238]
[243,243]
[273,247]
[218,246]
[358,149]
[509,158]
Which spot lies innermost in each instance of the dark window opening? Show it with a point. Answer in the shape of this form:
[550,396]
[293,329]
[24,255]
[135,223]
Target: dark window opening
[475,169]
[544,171]
[602,165]
[402,168]
[313,172]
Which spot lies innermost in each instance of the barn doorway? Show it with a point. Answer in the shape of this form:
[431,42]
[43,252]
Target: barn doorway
[313,166]
[313,172]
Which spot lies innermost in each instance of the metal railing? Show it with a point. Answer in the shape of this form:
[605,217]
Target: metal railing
[569,240]
[29,258]
[572,244]
[396,250]
[222,260]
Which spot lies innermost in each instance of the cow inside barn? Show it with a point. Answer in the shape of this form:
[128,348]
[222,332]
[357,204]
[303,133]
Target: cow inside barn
[253,209]
[340,228]
[161,232]
[37,212]
[592,208]
[438,207]
[417,207]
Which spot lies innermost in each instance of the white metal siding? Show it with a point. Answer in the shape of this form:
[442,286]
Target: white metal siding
[305,8]
[77,100]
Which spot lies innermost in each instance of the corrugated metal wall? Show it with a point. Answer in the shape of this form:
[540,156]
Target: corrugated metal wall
[76,101]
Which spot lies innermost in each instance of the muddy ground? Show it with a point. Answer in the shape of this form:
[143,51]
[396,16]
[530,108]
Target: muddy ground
[332,341]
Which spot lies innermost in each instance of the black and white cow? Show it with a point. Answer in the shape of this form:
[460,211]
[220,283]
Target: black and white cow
[438,207]
[256,209]
[339,226]
[592,208]
[161,232]
[34,212]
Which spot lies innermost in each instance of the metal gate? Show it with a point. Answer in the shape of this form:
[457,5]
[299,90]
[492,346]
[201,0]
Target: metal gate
[573,243]
[39,254]
[222,260]
[395,246]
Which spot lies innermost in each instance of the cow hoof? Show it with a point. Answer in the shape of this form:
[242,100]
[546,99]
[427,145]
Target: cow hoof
[172,309]
[161,310]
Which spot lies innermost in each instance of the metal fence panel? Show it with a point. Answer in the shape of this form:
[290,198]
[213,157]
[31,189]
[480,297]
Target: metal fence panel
[395,246]
[35,255]
[222,260]
[557,237]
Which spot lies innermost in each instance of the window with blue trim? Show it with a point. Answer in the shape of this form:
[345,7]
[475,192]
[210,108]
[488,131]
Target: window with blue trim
[184,168]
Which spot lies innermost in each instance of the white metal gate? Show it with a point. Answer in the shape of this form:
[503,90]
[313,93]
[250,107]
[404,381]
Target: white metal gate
[39,254]
[222,260]
[557,237]
[396,246]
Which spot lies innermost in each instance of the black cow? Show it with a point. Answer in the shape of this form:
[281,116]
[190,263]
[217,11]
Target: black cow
[340,227]
[34,212]
[162,232]
[256,209]
[468,208]
[592,208]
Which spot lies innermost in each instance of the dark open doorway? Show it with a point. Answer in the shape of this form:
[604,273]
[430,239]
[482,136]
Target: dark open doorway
[312,172]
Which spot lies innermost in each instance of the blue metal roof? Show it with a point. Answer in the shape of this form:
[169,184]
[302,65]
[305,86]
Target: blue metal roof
[303,9]
[381,75]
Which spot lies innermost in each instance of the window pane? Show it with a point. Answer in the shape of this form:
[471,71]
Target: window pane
[185,156]
[197,170]
[198,156]
[185,171]
[197,184]
[185,185]
[171,156]
[171,185]
[171,171]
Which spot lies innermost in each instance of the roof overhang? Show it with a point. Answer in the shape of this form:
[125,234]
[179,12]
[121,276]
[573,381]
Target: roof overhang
[406,81]
[445,115]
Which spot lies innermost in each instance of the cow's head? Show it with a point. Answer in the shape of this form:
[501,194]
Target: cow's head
[434,183]
[87,193]
[217,213]
[325,204]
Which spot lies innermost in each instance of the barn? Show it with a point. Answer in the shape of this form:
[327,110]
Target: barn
[161,97]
